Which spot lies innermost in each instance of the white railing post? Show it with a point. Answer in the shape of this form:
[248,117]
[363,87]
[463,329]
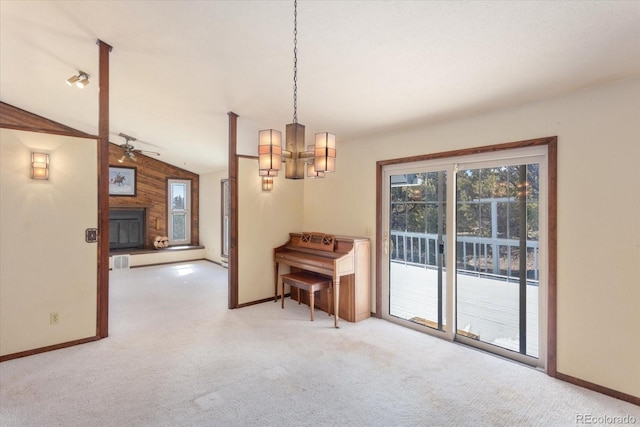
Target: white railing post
[476,242]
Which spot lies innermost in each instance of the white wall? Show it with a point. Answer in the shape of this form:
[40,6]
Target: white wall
[265,220]
[247,137]
[598,277]
[210,216]
[45,264]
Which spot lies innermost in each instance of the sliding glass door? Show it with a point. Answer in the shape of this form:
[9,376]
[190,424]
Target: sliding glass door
[461,250]
[497,252]
[417,228]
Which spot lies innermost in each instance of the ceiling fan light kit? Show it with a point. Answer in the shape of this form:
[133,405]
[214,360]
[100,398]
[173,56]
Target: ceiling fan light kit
[318,160]
[130,151]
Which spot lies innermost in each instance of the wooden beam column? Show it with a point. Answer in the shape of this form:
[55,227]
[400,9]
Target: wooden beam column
[102,322]
[233,210]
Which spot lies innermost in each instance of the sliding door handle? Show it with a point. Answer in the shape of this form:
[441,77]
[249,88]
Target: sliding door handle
[385,242]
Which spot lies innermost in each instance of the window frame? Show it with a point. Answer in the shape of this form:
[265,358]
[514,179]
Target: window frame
[225,214]
[186,211]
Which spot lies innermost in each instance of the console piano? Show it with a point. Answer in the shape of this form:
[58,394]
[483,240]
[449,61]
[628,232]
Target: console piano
[346,260]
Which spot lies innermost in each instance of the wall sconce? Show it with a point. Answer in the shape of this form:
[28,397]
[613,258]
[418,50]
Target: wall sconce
[39,166]
[267,183]
[80,80]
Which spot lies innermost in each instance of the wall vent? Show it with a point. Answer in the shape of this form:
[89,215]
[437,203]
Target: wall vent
[121,262]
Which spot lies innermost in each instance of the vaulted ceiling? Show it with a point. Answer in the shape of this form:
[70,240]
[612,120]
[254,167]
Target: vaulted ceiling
[364,67]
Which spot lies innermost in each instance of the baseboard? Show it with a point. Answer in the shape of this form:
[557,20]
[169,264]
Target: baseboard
[247,304]
[47,348]
[598,388]
[149,257]
[167,262]
[213,262]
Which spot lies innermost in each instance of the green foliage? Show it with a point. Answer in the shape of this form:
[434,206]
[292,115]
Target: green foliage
[416,199]
[178,202]
[414,206]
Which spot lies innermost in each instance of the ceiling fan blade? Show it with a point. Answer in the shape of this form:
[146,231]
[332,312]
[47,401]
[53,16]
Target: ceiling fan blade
[150,144]
[153,153]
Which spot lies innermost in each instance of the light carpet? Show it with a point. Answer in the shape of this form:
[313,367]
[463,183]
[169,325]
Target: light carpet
[176,356]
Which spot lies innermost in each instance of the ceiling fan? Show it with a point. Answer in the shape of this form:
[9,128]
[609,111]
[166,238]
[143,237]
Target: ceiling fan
[130,151]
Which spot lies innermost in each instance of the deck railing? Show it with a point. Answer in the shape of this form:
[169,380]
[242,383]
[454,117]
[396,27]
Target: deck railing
[486,255]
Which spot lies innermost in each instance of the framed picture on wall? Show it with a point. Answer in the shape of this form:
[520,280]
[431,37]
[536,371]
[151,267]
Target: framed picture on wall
[122,181]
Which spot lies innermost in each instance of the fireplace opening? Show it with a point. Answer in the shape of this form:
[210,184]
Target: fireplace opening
[126,229]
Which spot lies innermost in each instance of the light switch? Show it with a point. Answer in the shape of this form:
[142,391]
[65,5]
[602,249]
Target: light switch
[91,235]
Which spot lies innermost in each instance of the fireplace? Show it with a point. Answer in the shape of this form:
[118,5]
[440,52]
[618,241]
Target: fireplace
[126,228]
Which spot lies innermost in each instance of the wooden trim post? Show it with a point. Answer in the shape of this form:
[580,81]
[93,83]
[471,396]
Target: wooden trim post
[102,321]
[233,210]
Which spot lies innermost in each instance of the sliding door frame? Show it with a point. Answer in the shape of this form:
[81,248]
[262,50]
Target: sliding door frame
[438,165]
[551,144]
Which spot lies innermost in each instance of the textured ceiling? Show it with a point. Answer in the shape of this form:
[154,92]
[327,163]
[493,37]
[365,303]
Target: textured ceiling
[178,67]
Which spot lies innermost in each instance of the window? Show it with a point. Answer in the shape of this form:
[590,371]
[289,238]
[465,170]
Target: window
[179,208]
[226,211]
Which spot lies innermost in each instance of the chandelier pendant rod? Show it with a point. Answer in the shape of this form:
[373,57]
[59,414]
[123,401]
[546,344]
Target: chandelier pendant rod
[295,61]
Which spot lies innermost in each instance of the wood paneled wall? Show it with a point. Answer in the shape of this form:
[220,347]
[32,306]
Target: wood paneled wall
[151,193]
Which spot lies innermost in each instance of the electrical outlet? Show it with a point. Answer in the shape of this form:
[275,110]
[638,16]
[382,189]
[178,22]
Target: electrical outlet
[54,318]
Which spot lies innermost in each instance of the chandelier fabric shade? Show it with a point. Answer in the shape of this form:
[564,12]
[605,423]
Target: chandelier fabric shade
[269,152]
[325,152]
[310,165]
[312,173]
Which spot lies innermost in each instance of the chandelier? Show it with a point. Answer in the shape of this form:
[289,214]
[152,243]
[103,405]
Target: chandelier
[317,160]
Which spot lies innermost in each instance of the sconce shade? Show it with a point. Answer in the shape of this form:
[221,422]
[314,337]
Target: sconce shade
[270,150]
[72,80]
[82,83]
[267,183]
[325,152]
[39,166]
[80,80]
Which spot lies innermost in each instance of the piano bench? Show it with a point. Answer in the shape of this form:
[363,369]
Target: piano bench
[309,282]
